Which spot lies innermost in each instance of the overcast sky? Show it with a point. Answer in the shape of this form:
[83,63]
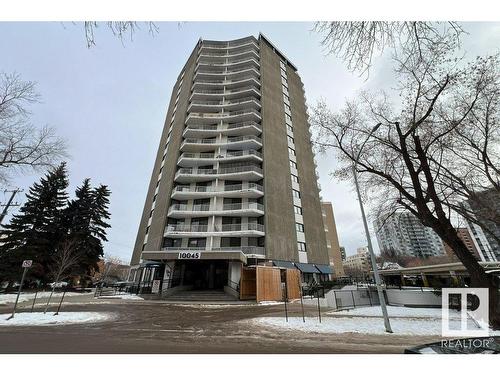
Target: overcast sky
[109,102]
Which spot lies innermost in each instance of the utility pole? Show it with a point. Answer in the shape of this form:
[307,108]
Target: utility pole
[9,203]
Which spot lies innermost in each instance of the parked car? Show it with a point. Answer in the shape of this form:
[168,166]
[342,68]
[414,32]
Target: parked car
[59,284]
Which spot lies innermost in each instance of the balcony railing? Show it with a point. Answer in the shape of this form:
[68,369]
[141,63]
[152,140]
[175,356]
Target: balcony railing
[235,125]
[240,187]
[254,250]
[244,138]
[186,228]
[224,82]
[243,206]
[185,207]
[227,102]
[224,114]
[245,168]
[196,189]
[239,227]
[226,92]
[229,155]
[211,189]
[200,140]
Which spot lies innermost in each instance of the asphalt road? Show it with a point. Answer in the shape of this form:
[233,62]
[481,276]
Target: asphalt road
[158,327]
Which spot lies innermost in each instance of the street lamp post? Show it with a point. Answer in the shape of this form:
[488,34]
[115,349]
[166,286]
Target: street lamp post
[376,275]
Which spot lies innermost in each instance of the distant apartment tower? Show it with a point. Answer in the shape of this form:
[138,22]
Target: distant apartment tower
[234,180]
[358,262]
[486,209]
[332,240]
[405,234]
[464,235]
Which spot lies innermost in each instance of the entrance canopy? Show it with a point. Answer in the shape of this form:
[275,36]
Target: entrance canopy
[307,268]
[283,264]
[324,269]
[150,264]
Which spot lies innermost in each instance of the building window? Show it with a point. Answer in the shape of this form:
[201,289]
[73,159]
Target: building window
[299,227]
[282,65]
[301,246]
[151,213]
[285,91]
[291,151]
[147,229]
[286,100]
[284,82]
[288,117]
[293,164]
[287,109]
[295,178]
[296,193]
[290,139]
[154,198]
[297,210]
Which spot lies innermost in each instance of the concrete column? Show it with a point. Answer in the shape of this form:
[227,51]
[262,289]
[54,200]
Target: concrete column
[424,280]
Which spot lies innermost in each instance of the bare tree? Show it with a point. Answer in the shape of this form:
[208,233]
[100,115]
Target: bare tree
[65,258]
[120,29]
[23,146]
[356,42]
[408,151]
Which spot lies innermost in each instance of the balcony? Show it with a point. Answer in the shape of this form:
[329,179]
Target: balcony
[209,84]
[224,46]
[246,230]
[234,129]
[224,230]
[218,74]
[210,94]
[229,57]
[242,209]
[209,144]
[204,210]
[247,190]
[234,116]
[248,102]
[189,159]
[244,63]
[245,173]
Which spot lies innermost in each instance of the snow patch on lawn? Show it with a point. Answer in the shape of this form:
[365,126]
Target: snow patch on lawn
[396,311]
[270,303]
[368,320]
[373,326]
[11,297]
[122,296]
[41,319]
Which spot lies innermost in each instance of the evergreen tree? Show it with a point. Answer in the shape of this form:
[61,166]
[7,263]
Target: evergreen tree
[35,232]
[85,220]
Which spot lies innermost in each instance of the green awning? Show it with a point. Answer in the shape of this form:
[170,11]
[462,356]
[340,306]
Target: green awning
[283,264]
[307,268]
[324,269]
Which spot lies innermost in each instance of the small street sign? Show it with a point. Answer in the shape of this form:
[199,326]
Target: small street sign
[27,263]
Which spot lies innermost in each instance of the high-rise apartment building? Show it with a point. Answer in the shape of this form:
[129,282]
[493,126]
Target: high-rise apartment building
[404,233]
[486,209]
[464,235]
[332,239]
[234,180]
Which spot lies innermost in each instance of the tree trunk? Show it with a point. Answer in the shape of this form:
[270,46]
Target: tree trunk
[479,278]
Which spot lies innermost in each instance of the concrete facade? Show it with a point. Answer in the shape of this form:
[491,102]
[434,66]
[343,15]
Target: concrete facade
[332,240]
[234,179]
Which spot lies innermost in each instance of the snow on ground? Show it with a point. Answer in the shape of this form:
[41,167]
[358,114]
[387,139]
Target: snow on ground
[11,297]
[368,320]
[41,319]
[270,303]
[396,311]
[374,326]
[122,296]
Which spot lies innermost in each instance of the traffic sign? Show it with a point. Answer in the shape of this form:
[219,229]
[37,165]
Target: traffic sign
[27,263]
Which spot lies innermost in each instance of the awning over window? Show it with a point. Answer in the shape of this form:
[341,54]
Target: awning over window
[306,268]
[324,269]
[283,264]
